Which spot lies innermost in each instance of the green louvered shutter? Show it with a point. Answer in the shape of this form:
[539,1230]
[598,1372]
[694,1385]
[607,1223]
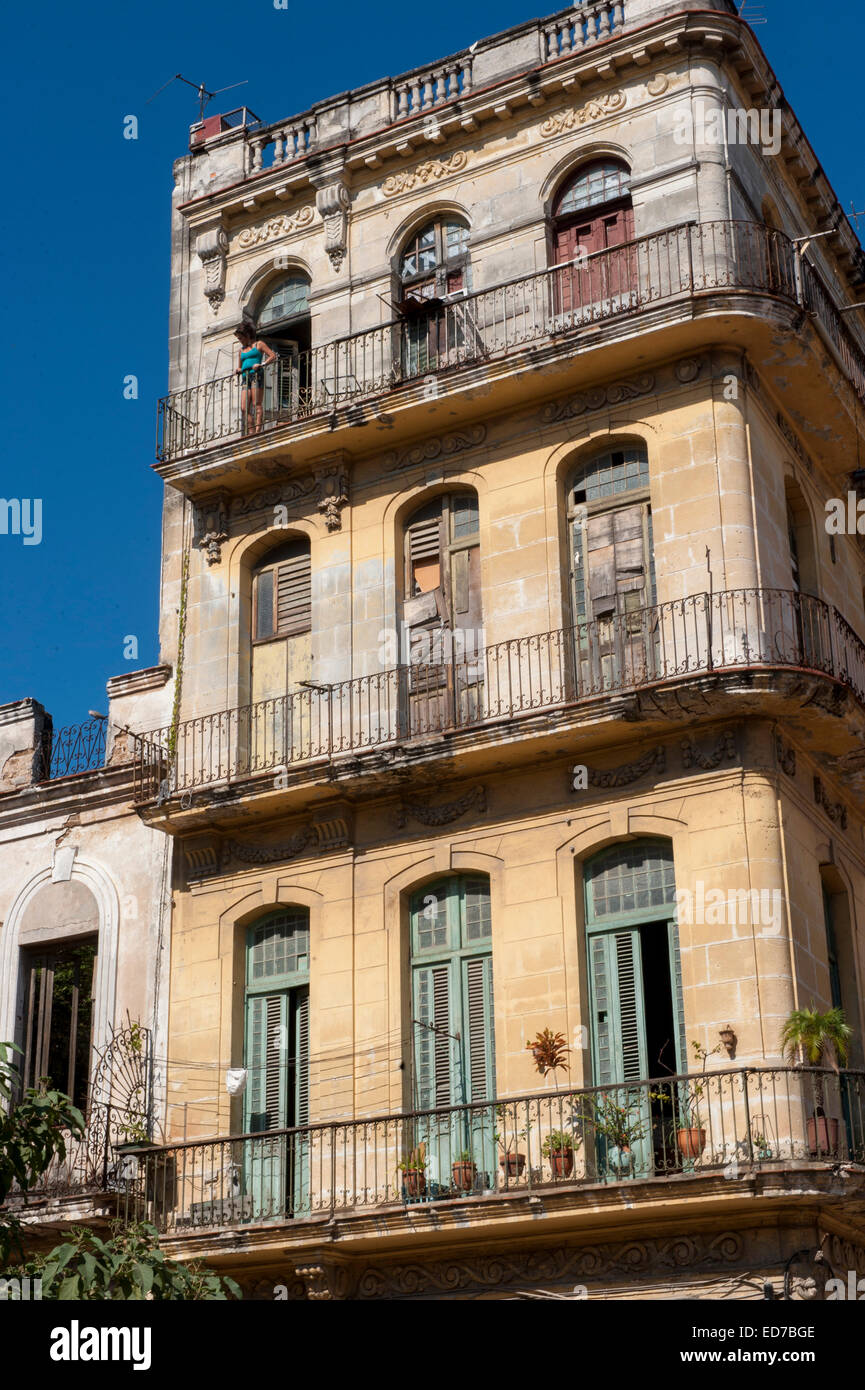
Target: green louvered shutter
[267,1050]
[617,1008]
[433,1048]
[678,998]
[301,1057]
[480,1033]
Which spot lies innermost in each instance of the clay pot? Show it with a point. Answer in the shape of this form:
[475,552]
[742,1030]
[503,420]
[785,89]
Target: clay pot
[692,1142]
[464,1175]
[415,1181]
[514,1164]
[822,1136]
[563,1162]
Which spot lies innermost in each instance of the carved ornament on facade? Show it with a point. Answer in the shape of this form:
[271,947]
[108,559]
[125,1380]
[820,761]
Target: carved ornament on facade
[268,498]
[597,397]
[333,202]
[235,850]
[786,755]
[212,248]
[688,369]
[794,441]
[442,446]
[212,526]
[835,810]
[658,85]
[475,797]
[430,171]
[575,116]
[724,748]
[274,228]
[332,486]
[655,759]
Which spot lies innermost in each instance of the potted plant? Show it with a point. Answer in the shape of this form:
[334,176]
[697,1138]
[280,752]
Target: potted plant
[464,1171]
[819,1038]
[511,1161]
[549,1050]
[617,1125]
[413,1172]
[762,1146]
[558,1147]
[690,1135]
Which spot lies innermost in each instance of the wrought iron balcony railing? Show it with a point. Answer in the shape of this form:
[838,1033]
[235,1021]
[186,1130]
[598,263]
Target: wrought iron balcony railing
[78,748]
[490,324]
[456,690]
[675,1129]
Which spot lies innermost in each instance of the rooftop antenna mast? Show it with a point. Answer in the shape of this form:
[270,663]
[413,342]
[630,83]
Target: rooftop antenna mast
[744,6]
[204,96]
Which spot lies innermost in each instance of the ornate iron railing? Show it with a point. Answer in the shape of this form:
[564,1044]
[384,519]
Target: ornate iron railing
[77,748]
[459,689]
[676,1128]
[468,328]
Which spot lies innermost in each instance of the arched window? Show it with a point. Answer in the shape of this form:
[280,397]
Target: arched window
[434,271]
[442,611]
[277,1060]
[286,299]
[593,214]
[281,651]
[282,592]
[840,952]
[637,1011]
[800,535]
[453,1018]
[283,321]
[612,566]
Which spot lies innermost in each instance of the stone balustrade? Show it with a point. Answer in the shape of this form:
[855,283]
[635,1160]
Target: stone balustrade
[421,91]
[583,25]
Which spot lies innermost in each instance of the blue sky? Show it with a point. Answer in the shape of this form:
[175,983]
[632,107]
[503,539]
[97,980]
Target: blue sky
[85,284]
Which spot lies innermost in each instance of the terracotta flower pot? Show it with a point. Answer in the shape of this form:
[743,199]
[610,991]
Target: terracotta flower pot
[692,1142]
[822,1136]
[562,1161]
[514,1164]
[415,1182]
[464,1175]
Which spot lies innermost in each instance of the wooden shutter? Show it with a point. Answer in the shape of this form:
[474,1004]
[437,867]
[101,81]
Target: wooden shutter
[481,1041]
[432,1041]
[618,1018]
[301,1057]
[678,999]
[293,594]
[267,1060]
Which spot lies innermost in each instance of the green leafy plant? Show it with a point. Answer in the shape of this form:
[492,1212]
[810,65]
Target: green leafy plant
[464,1156]
[616,1123]
[549,1050]
[507,1145]
[692,1092]
[416,1160]
[560,1141]
[129,1266]
[819,1038]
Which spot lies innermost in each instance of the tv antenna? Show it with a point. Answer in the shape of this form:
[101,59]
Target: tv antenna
[854,215]
[204,96]
[744,6]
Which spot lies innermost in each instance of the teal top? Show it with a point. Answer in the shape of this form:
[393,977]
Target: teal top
[250,358]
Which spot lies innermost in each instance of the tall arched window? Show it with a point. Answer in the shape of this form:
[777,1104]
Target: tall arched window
[442,611]
[593,213]
[612,568]
[283,321]
[277,1059]
[453,1018]
[281,653]
[637,1012]
[434,271]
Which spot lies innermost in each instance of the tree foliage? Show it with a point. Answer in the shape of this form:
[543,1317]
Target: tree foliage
[128,1266]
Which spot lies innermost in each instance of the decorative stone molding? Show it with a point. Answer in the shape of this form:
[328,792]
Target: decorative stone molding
[655,758]
[201,855]
[333,825]
[325,1280]
[268,498]
[212,248]
[657,85]
[442,446]
[332,485]
[835,810]
[565,1264]
[688,369]
[211,524]
[786,756]
[274,227]
[234,850]
[724,748]
[136,682]
[333,202]
[794,441]
[597,397]
[430,171]
[444,814]
[330,828]
[575,116]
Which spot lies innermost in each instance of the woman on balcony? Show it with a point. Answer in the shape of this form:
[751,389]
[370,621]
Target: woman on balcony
[252,355]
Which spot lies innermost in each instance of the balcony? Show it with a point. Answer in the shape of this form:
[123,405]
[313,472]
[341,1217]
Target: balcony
[520,688]
[675,274]
[679,1129]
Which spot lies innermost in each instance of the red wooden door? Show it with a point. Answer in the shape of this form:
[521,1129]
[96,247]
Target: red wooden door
[589,278]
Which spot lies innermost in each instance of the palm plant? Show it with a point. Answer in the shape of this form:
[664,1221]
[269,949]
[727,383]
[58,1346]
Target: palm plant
[549,1050]
[819,1038]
